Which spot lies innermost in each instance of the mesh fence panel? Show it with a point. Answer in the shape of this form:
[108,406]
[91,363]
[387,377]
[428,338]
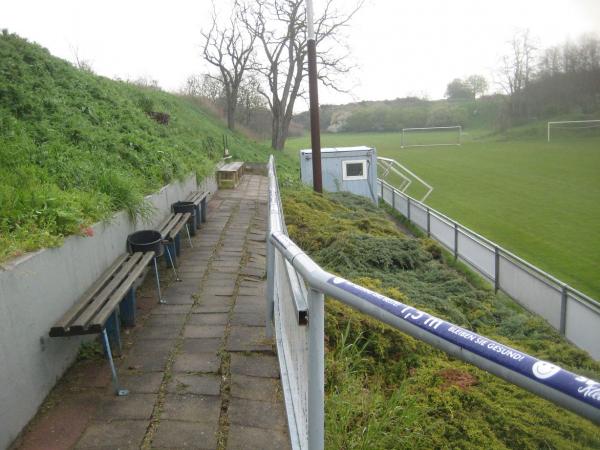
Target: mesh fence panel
[477,254]
[387,194]
[582,324]
[418,215]
[535,294]
[442,231]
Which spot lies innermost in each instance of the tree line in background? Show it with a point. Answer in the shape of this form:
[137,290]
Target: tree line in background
[535,84]
[260,58]
[550,82]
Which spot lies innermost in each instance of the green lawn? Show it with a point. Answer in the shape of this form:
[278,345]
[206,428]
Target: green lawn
[540,200]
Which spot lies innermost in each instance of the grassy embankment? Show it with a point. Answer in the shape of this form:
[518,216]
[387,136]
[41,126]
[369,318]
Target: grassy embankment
[387,390]
[537,199]
[75,147]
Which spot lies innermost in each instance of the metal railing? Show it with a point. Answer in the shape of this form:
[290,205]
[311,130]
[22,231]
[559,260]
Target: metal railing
[574,314]
[295,313]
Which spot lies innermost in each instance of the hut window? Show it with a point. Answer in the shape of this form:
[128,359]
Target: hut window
[355,170]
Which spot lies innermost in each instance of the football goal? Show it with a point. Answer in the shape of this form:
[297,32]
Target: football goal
[431,136]
[574,128]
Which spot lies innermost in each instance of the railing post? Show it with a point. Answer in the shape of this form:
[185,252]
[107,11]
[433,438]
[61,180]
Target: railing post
[455,241]
[496,268]
[381,183]
[270,270]
[408,208]
[563,310]
[270,287]
[316,370]
[428,223]
[394,199]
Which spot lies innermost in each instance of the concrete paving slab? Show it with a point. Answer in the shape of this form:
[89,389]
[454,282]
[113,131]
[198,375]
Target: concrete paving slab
[256,388]
[204,331]
[171,309]
[244,438]
[192,408]
[144,363]
[204,345]
[118,434]
[254,365]
[173,435]
[257,414]
[155,347]
[133,406]
[205,363]
[141,383]
[208,319]
[165,320]
[157,333]
[206,309]
[223,291]
[251,319]
[204,384]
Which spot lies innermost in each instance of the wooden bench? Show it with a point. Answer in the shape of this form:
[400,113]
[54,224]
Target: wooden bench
[107,303]
[199,200]
[170,231]
[230,175]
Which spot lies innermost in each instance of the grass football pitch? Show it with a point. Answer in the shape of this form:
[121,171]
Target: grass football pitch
[537,199]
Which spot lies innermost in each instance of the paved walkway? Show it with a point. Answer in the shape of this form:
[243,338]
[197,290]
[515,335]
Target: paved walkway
[200,371]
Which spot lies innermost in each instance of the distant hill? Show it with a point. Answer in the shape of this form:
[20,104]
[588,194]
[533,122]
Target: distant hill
[393,115]
[75,147]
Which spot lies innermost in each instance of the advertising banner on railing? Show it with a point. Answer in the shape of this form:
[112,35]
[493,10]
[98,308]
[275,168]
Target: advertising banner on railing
[544,372]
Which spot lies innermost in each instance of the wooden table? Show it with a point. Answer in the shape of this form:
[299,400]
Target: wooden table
[230,175]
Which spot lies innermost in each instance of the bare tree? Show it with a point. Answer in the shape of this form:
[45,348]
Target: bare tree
[207,86]
[517,66]
[229,48]
[478,85]
[517,70]
[280,29]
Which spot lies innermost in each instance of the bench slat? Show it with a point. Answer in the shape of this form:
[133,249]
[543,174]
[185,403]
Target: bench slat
[100,319]
[179,225]
[168,224]
[81,322]
[59,327]
[197,197]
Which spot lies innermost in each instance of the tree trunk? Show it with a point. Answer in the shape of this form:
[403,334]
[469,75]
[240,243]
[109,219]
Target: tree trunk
[230,116]
[279,132]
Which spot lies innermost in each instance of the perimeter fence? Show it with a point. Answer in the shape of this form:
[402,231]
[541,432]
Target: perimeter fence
[574,314]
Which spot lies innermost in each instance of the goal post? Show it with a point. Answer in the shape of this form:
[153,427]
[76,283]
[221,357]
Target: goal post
[431,136]
[573,125]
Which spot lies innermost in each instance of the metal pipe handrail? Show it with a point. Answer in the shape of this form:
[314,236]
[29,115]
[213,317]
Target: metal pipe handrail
[492,245]
[574,392]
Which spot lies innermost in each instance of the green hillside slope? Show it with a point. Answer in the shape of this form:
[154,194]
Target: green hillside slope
[75,147]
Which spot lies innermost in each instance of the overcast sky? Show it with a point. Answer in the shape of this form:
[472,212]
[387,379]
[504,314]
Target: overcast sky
[400,47]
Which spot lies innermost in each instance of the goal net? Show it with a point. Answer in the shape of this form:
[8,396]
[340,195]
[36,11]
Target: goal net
[573,128]
[431,136]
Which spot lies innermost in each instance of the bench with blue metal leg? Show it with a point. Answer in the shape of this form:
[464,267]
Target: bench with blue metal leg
[199,199]
[107,303]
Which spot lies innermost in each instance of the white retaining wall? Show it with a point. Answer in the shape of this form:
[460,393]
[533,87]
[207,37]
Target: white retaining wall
[38,288]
